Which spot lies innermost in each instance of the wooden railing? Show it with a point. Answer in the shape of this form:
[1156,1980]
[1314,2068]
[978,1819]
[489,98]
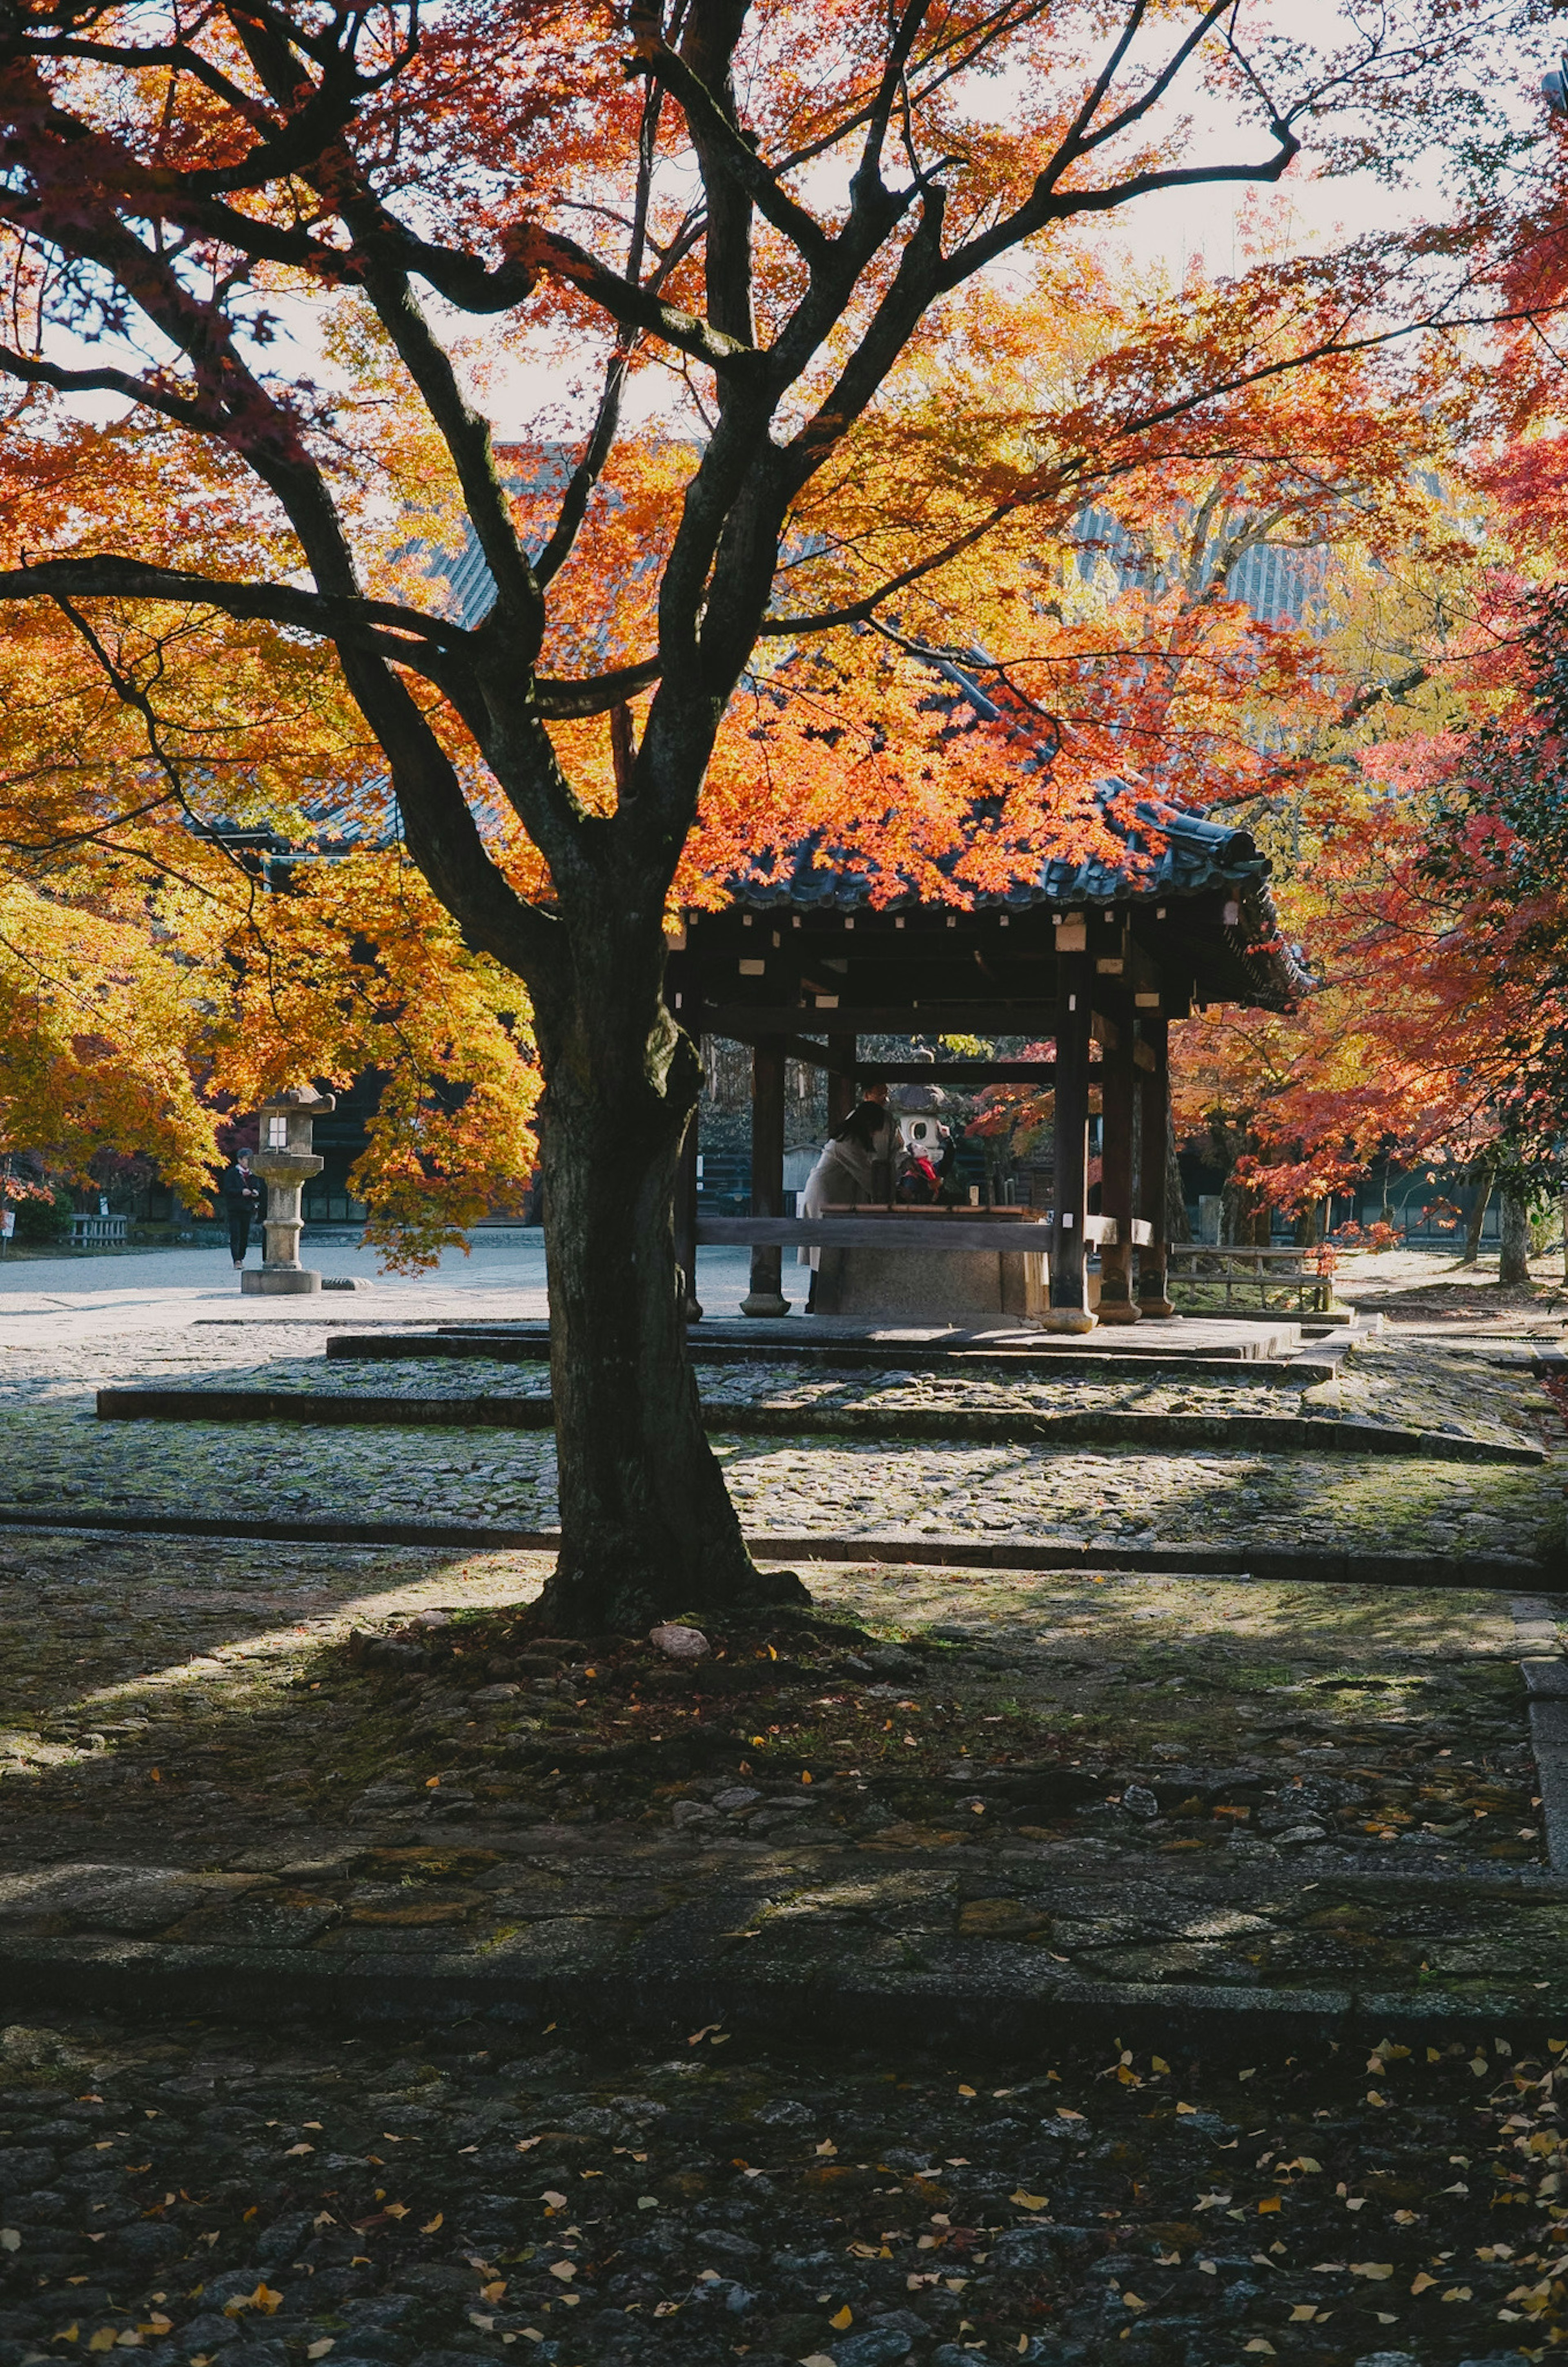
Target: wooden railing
[1213,1265]
[95,1232]
[1021,1232]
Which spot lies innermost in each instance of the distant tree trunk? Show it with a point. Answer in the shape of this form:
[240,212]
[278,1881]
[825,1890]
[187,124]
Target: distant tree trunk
[1309,1226]
[1247,1220]
[1484,1179]
[1513,1262]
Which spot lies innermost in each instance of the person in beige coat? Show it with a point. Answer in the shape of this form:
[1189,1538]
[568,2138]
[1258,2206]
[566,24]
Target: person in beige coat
[846,1175]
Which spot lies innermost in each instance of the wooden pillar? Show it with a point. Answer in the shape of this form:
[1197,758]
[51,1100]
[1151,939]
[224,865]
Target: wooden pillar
[1069,1310]
[842,1051]
[1153,1135]
[686,1215]
[1119,1094]
[765,1296]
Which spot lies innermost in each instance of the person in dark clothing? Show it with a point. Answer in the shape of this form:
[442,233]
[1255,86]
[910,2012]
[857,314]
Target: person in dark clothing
[242,1201]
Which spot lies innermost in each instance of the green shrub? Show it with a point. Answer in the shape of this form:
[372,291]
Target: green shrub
[42,1221]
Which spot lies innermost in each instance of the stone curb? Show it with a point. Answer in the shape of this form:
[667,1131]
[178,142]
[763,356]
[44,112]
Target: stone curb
[1545,1673]
[532,1347]
[991,2005]
[1264,1565]
[989,1429]
[1548,1683]
[1272,1564]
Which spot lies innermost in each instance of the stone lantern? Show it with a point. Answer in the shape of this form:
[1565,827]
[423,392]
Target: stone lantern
[286,1163]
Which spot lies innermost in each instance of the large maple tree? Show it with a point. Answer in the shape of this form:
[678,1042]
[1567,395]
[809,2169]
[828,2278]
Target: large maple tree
[1424,832]
[745,272]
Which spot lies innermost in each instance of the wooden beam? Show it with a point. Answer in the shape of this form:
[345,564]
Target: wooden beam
[745,1022]
[795,1048]
[896,1229]
[890,1231]
[1154,1137]
[1118,1088]
[1068,1309]
[766,1294]
[842,1051]
[961,1072]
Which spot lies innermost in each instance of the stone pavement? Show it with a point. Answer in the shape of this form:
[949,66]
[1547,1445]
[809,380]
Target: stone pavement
[1124,1794]
[64,1464]
[1354,1394]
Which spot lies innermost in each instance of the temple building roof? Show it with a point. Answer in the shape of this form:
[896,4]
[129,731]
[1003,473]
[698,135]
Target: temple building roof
[1206,882]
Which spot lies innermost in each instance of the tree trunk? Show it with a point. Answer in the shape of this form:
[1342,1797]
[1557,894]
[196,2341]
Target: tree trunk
[1477,1217]
[1514,1255]
[648,1529]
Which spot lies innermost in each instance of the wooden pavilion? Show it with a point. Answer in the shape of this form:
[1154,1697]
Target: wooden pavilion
[1098,957]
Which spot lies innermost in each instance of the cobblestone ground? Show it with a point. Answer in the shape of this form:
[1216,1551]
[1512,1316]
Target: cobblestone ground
[1128,1778]
[213,2194]
[1482,1391]
[61,1455]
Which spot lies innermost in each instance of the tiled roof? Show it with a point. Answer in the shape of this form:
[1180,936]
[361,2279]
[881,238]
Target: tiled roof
[1182,857]
[1192,856]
